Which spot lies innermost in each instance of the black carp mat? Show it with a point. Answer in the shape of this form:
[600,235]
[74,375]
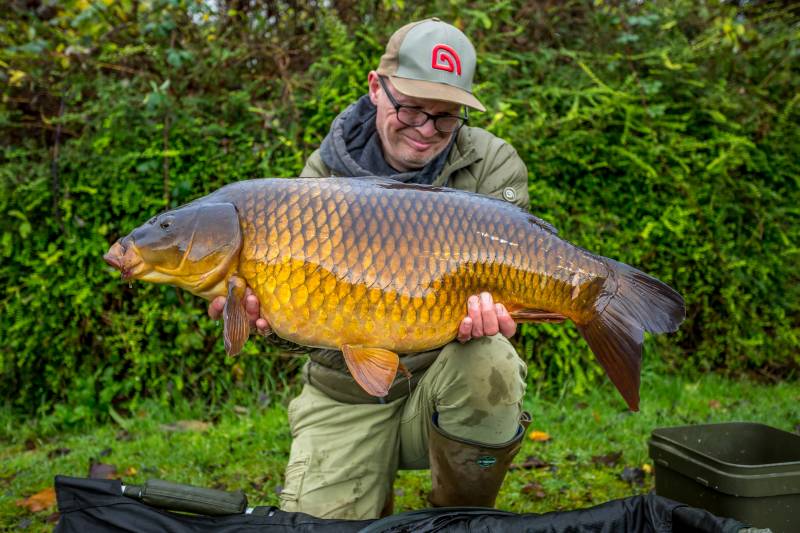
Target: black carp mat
[97,505]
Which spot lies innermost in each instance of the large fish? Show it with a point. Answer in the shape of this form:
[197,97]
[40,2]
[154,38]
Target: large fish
[375,267]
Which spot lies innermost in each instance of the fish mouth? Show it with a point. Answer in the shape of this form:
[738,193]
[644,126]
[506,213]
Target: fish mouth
[125,259]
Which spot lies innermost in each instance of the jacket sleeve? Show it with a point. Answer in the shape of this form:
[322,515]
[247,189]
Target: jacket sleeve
[284,346]
[315,168]
[504,174]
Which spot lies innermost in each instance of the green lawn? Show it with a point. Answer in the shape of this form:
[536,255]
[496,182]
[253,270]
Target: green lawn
[245,447]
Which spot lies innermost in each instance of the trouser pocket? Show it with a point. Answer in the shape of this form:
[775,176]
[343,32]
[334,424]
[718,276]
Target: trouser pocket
[293,479]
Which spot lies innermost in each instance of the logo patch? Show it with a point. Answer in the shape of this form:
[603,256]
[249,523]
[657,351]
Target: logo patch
[485,461]
[445,58]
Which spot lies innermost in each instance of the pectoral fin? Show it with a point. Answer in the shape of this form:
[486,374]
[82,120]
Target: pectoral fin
[237,328]
[372,368]
[536,315]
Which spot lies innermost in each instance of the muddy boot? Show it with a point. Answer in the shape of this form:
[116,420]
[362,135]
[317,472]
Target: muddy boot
[466,473]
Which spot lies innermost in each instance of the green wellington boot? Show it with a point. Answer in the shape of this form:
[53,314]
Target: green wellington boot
[467,473]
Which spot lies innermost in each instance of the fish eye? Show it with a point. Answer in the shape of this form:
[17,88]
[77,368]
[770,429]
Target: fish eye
[166,222]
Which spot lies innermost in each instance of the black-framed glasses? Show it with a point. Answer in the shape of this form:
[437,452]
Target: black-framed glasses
[415,117]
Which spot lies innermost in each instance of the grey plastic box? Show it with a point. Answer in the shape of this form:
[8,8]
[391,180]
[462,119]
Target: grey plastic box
[742,470]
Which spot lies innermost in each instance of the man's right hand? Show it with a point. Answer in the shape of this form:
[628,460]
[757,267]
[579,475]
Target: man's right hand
[251,307]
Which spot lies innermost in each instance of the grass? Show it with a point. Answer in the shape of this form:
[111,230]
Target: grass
[247,447]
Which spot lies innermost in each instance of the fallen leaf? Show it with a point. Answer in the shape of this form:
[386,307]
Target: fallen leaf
[131,471]
[102,471]
[530,462]
[534,462]
[58,452]
[538,436]
[187,425]
[535,489]
[40,501]
[632,475]
[609,459]
[714,404]
[647,468]
[239,410]
[53,518]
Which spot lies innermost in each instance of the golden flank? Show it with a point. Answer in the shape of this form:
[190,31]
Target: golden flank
[375,267]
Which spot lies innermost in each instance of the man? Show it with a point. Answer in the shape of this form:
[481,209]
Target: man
[461,413]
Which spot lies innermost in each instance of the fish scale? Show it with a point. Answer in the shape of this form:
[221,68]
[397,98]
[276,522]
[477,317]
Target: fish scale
[375,267]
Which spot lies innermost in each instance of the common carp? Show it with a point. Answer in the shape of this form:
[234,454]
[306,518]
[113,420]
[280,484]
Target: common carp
[375,267]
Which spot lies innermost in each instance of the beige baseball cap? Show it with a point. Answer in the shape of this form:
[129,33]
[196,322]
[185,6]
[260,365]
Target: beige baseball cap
[431,59]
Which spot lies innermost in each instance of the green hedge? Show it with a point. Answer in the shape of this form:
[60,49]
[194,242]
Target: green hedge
[664,135]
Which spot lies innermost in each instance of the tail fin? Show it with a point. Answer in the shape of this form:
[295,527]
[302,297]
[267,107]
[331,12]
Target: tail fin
[637,303]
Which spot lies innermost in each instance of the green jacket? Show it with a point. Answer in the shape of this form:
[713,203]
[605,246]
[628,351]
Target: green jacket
[478,162]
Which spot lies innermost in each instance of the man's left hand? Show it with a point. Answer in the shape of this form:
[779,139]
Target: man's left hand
[484,317]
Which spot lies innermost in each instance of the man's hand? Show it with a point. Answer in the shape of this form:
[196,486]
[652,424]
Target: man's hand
[484,317]
[251,307]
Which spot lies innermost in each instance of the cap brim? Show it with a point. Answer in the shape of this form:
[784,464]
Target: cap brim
[435,91]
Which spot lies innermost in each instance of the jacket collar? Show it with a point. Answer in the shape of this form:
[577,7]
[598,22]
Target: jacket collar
[462,154]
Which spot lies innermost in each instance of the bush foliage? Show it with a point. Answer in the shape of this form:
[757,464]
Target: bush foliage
[663,134]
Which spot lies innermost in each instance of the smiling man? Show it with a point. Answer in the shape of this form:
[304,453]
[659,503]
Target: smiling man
[460,414]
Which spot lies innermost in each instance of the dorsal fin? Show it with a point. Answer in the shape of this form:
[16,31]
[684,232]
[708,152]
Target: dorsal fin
[545,225]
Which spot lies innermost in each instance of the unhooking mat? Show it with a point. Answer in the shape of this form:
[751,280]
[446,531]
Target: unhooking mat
[97,505]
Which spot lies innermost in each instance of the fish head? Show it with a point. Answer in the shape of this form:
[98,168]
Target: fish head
[191,247]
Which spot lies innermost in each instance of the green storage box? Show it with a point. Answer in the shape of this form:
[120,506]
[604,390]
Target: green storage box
[741,470]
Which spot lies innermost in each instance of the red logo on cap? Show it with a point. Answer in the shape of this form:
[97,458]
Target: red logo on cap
[445,58]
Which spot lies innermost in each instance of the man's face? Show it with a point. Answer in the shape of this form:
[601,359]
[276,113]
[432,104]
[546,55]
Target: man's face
[405,147]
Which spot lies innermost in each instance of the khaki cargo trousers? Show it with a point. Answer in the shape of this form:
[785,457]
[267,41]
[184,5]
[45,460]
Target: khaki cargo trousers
[344,457]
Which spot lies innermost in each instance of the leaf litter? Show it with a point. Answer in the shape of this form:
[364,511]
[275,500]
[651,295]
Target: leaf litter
[41,501]
[610,459]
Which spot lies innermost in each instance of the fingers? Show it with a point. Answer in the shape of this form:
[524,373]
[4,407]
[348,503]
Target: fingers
[263,326]
[215,307]
[251,306]
[507,325]
[488,315]
[474,313]
[252,310]
[464,330]
[485,318]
